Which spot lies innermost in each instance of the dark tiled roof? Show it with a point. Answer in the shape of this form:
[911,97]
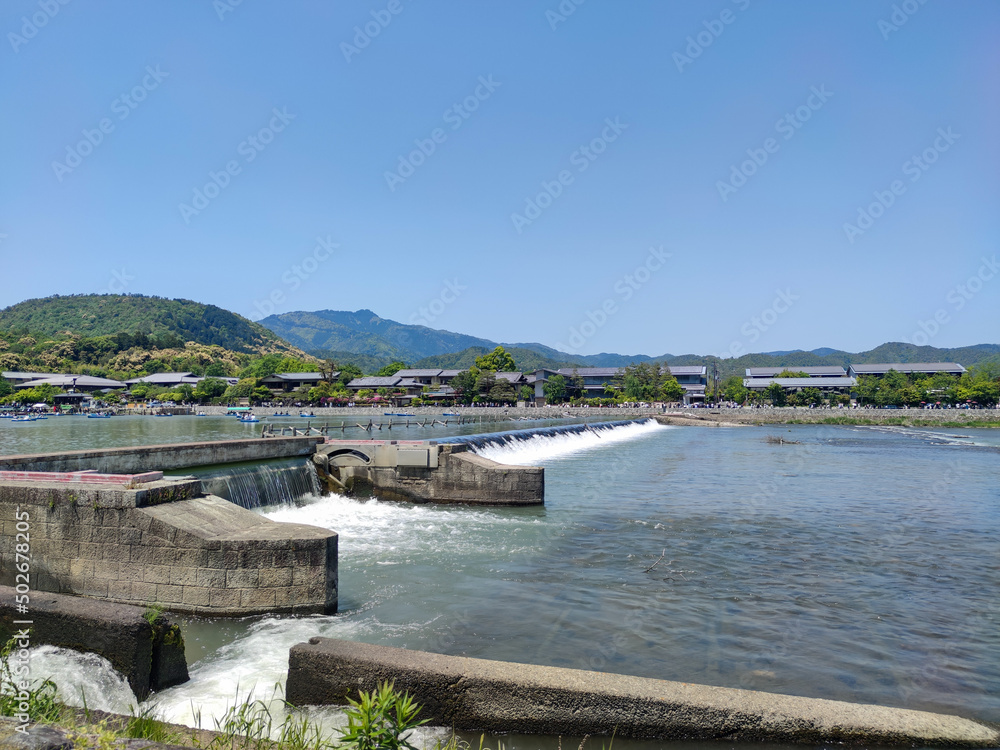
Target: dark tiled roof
[907,368]
[374,382]
[687,369]
[418,373]
[296,376]
[825,371]
[589,372]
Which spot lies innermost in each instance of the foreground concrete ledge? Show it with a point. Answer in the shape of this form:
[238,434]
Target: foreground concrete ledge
[494,696]
[150,656]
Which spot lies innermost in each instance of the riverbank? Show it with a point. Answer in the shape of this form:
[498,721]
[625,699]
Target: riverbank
[704,416]
[796,415]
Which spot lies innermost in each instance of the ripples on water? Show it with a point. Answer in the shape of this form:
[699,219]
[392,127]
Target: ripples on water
[856,565]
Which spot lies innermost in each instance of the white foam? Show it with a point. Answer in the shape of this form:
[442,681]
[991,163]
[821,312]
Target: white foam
[82,679]
[539,448]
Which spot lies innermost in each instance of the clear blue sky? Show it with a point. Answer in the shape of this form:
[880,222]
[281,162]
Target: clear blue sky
[450,240]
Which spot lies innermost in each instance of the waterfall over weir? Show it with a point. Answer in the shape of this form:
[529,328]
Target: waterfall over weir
[260,484]
[530,446]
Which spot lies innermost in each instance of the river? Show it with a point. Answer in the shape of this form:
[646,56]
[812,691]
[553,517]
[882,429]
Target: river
[851,563]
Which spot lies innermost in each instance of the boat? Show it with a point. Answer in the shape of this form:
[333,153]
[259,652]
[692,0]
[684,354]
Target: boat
[201,414]
[307,414]
[99,415]
[23,418]
[398,414]
[163,415]
[451,414]
[282,414]
[249,418]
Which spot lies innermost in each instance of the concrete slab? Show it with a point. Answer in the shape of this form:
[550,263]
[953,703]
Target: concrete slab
[494,696]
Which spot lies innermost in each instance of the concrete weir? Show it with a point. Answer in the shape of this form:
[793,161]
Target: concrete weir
[423,472]
[482,695]
[141,539]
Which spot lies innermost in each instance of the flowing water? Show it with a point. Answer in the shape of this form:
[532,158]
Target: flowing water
[856,564]
[255,485]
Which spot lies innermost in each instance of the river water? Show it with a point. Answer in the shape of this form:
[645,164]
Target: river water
[853,563]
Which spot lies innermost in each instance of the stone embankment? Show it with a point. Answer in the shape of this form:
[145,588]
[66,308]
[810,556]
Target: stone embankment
[481,695]
[487,414]
[796,415]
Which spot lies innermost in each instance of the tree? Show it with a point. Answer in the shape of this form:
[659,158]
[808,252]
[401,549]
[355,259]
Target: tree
[670,389]
[242,389]
[215,370]
[140,391]
[576,385]
[810,396]
[502,391]
[498,361]
[486,382]
[209,388]
[349,373]
[465,386]
[390,370]
[776,394]
[555,389]
[640,382]
[734,390]
[5,388]
[527,393]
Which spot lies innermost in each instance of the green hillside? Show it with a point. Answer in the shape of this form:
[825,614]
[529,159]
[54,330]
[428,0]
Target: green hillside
[121,336]
[109,314]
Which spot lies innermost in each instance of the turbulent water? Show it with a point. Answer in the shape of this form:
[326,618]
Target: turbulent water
[850,563]
[255,485]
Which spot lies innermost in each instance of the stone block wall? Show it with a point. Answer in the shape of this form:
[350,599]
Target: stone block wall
[460,477]
[168,545]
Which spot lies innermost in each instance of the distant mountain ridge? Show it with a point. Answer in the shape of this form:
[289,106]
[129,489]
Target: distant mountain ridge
[364,335]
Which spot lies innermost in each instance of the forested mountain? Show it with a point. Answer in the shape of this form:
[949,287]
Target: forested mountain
[364,332]
[110,314]
[126,335]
